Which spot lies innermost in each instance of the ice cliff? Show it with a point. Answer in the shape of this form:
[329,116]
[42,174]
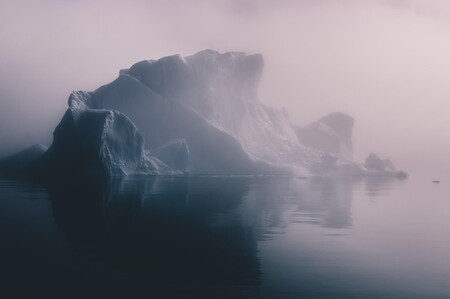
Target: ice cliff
[198,114]
[98,142]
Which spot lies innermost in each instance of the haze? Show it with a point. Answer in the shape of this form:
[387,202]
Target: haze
[386,63]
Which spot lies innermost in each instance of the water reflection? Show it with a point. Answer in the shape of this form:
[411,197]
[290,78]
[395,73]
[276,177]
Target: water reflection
[177,235]
[331,199]
[379,186]
[195,230]
[187,230]
[190,223]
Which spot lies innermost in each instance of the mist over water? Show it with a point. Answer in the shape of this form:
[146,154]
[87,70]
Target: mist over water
[175,182]
[383,62]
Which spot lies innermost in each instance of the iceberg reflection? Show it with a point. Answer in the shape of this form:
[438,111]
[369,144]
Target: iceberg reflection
[195,230]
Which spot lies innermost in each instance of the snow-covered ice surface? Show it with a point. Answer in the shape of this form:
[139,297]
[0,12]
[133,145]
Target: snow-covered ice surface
[198,114]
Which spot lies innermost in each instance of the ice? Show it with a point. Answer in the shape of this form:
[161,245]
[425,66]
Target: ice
[378,163]
[197,115]
[209,100]
[93,142]
[175,154]
[20,161]
[331,134]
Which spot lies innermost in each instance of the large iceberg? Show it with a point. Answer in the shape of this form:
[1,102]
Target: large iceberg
[197,115]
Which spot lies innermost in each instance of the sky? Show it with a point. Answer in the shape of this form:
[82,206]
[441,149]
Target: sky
[384,62]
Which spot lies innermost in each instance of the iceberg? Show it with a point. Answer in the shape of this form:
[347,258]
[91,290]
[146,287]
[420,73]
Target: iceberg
[18,163]
[176,155]
[331,134]
[197,115]
[331,137]
[376,163]
[91,142]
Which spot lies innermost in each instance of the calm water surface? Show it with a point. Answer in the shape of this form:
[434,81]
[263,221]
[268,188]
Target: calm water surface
[237,237]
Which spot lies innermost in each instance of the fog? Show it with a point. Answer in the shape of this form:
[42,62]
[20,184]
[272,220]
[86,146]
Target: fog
[386,63]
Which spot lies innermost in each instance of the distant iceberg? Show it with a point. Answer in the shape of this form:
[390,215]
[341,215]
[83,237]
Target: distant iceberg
[331,134]
[19,162]
[197,115]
